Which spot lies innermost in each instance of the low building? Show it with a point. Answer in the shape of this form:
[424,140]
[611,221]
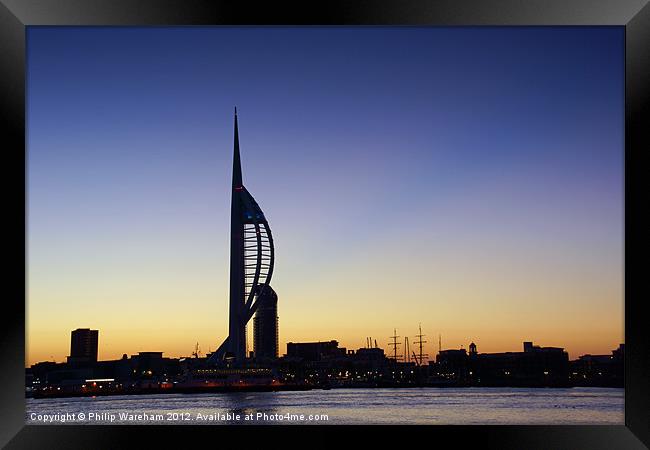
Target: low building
[544,366]
[314,351]
[599,370]
[534,366]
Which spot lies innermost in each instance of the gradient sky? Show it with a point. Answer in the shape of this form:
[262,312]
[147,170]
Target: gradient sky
[469,179]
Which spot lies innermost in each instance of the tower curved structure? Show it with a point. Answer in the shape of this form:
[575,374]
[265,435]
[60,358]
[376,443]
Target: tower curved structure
[252,257]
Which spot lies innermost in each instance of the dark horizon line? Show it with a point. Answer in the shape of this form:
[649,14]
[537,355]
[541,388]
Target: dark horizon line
[323,341]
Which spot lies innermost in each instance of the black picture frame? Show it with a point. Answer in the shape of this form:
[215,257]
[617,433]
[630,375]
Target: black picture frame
[634,15]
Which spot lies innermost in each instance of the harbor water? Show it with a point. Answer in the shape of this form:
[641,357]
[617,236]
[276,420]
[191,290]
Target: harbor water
[544,406]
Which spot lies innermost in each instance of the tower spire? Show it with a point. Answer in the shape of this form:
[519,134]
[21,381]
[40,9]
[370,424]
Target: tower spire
[252,257]
[236,162]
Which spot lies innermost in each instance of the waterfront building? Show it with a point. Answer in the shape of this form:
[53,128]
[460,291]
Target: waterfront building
[452,363]
[599,370]
[265,326]
[535,365]
[314,351]
[84,344]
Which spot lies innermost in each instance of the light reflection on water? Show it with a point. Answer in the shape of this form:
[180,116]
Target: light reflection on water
[360,406]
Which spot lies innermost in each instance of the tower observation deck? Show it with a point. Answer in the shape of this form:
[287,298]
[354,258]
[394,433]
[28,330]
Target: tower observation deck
[252,257]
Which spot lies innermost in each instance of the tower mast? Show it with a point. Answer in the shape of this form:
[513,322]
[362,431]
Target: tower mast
[237,329]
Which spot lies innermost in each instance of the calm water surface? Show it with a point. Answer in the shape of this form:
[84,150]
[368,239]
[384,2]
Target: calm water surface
[344,406]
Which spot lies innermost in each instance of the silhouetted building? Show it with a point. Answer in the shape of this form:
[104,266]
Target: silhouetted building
[371,358]
[365,353]
[252,258]
[83,345]
[265,325]
[452,363]
[599,370]
[39,371]
[314,351]
[535,365]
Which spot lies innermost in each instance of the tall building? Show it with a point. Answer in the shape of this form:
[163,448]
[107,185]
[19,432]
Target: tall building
[83,345]
[265,326]
[252,257]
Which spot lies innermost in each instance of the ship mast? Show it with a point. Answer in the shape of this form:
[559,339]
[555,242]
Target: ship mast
[394,344]
[420,342]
